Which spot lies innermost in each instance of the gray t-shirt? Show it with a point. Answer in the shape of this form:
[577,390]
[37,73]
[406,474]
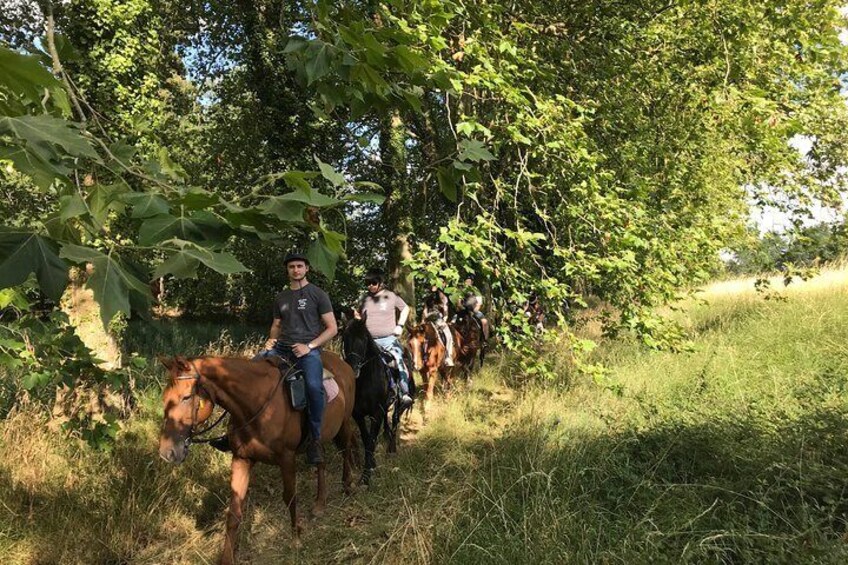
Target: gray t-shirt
[380,309]
[299,312]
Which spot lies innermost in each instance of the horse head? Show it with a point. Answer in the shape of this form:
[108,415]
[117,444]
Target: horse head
[186,405]
[416,341]
[355,342]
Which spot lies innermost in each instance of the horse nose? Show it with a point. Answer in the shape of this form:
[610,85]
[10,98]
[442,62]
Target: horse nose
[170,454]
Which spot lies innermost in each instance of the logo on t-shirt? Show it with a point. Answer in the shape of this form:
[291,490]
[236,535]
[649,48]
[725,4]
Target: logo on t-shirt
[301,303]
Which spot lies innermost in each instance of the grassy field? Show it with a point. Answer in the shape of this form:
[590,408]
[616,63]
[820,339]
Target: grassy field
[736,452]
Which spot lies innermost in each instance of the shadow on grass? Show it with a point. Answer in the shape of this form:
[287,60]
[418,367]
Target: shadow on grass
[737,489]
[111,517]
[763,484]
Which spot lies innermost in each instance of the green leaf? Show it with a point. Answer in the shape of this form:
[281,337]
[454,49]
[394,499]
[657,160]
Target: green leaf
[105,198]
[168,166]
[323,258]
[318,61]
[298,180]
[25,76]
[80,253]
[330,173]
[22,253]
[413,100]
[11,297]
[184,263]
[180,264]
[71,206]
[411,61]
[197,198]
[34,380]
[283,209]
[146,204]
[334,241]
[474,150]
[447,183]
[295,44]
[164,226]
[375,52]
[110,281]
[42,172]
[311,198]
[213,228]
[52,139]
[64,48]
[238,216]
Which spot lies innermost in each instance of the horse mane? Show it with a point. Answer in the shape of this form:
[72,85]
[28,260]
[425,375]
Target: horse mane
[358,329]
[249,367]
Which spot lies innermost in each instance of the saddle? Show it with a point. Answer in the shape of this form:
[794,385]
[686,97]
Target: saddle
[441,332]
[295,382]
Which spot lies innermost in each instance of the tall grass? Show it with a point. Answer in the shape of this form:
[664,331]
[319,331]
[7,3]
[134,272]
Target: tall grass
[736,452]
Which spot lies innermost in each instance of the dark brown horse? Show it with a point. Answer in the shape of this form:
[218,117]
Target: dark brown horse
[471,342]
[263,426]
[428,355]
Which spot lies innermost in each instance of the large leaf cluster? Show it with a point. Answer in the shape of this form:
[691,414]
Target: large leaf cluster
[628,137]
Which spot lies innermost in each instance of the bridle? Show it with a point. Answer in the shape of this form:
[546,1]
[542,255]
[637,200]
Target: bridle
[192,435]
[357,367]
[364,360]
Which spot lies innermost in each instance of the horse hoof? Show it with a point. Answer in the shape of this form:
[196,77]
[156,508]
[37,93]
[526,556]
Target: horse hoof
[318,510]
[296,543]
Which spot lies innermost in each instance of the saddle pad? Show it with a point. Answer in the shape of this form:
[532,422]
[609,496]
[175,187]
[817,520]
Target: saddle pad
[331,387]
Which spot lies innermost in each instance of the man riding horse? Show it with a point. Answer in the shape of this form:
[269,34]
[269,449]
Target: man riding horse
[436,305]
[471,300]
[379,308]
[303,322]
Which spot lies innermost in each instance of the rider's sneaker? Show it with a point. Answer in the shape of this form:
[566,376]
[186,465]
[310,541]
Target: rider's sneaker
[406,400]
[314,452]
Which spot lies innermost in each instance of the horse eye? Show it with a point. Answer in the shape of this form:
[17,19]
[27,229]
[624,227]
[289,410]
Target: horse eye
[186,398]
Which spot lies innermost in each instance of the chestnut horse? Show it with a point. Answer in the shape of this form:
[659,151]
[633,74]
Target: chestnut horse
[428,354]
[263,426]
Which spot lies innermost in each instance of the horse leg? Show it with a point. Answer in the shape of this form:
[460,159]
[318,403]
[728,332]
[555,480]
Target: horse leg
[344,439]
[396,414]
[287,465]
[368,443]
[447,375]
[239,481]
[321,494]
[388,428]
[432,375]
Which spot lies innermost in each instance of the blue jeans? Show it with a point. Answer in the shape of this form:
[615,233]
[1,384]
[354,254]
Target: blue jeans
[391,345]
[313,373]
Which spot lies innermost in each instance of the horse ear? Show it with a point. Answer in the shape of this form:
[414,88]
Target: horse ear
[167,361]
[181,364]
[363,315]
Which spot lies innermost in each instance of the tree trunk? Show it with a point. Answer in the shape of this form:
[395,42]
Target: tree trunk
[84,314]
[398,207]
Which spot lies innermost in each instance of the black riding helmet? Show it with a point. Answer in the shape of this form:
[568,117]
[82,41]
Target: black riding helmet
[295,256]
